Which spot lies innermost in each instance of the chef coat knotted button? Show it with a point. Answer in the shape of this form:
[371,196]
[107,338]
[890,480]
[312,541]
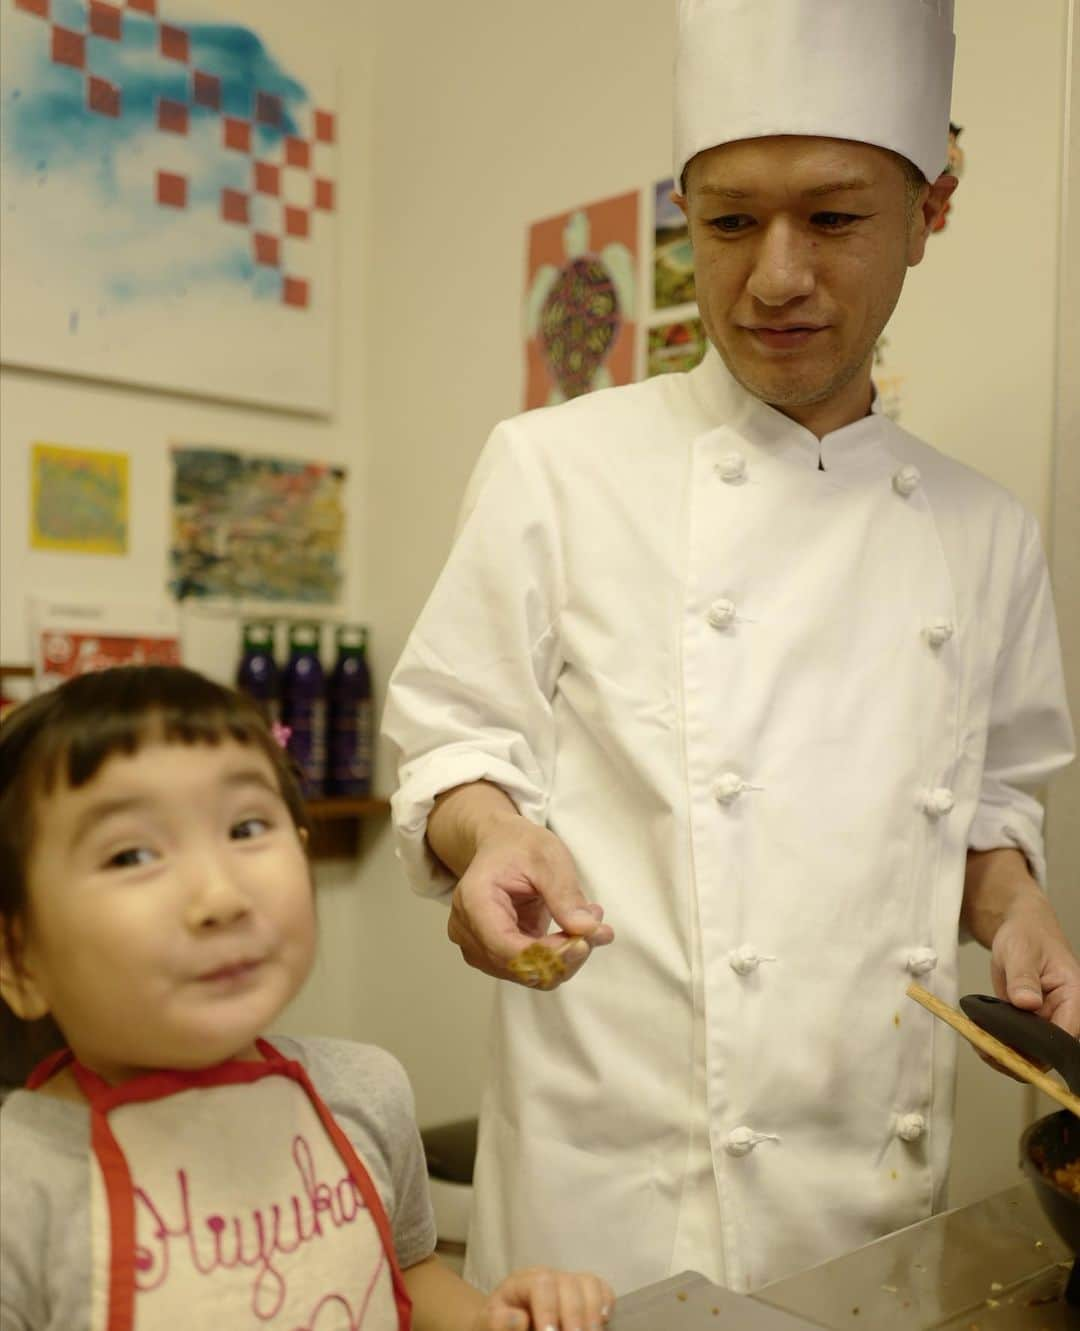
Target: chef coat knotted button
[741,1141]
[910,1127]
[938,632]
[907,481]
[746,959]
[922,961]
[732,467]
[721,613]
[729,786]
[939,802]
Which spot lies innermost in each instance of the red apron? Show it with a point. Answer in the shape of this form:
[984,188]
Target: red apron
[230,1197]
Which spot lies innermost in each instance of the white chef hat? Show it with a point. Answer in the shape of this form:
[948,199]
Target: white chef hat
[876,71]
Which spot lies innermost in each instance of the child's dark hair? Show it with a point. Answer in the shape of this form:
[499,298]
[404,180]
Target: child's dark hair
[69,733]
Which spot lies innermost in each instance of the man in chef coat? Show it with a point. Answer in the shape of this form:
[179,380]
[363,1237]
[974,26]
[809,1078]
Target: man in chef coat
[736,656]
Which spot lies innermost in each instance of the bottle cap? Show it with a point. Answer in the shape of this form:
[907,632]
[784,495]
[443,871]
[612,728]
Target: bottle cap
[352,636]
[304,635]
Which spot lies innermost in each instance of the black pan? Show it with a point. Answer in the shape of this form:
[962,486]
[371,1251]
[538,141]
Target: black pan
[1051,1143]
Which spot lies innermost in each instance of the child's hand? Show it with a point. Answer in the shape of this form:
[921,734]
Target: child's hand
[538,1299]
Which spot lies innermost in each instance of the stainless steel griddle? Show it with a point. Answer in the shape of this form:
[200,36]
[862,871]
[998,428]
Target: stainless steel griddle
[993,1266]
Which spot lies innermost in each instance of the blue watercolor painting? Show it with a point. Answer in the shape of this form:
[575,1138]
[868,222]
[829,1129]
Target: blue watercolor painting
[169,196]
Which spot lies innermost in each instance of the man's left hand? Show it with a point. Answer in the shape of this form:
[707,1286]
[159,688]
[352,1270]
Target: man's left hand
[1032,965]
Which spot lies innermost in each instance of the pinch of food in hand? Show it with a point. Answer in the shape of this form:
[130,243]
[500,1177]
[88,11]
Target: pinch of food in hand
[537,965]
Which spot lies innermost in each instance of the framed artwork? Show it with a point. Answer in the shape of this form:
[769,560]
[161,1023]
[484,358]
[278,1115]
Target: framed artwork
[169,177]
[675,347]
[249,527]
[78,500]
[580,306]
[673,257]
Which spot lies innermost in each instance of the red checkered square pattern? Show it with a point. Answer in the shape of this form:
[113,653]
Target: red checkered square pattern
[268,108]
[206,90]
[68,48]
[267,178]
[267,249]
[171,190]
[297,222]
[174,43]
[106,21]
[172,117]
[237,134]
[295,292]
[234,206]
[102,97]
[298,153]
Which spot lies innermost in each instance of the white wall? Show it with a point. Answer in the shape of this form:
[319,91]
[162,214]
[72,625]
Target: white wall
[1063,812]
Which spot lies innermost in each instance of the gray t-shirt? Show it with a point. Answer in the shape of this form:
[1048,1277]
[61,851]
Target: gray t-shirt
[45,1179]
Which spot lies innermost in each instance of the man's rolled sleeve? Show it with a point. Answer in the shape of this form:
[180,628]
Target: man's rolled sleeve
[1030,735]
[470,699]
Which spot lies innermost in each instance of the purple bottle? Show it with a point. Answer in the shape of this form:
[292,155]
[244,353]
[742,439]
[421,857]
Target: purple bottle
[351,717]
[257,672]
[303,707]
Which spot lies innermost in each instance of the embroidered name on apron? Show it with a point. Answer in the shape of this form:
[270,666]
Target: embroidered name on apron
[231,1198]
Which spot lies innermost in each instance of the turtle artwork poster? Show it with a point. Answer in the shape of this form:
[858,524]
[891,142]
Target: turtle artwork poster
[581,298]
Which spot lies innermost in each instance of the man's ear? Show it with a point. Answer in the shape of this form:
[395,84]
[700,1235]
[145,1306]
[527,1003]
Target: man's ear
[679,200]
[18,987]
[928,214]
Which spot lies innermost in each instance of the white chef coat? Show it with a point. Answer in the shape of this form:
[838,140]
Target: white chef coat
[768,705]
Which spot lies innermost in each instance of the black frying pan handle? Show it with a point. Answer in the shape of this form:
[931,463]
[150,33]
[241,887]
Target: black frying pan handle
[1037,1039]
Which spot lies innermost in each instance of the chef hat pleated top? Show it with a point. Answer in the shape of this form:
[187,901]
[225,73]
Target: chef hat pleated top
[876,71]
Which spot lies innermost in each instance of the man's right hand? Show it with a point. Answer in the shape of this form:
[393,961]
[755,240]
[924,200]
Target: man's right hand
[515,879]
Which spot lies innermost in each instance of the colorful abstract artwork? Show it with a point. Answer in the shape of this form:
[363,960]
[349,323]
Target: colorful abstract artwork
[580,307]
[676,347]
[170,185]
[250,527]
[673,257]
[78,500]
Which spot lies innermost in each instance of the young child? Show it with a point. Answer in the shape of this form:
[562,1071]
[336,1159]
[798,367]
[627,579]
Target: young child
[172,1169]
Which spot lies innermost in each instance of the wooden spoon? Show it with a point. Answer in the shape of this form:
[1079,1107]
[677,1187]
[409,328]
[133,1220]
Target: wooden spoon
[996,1049]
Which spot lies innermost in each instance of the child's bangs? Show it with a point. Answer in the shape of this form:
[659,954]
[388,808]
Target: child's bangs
[118,712]
[98,740]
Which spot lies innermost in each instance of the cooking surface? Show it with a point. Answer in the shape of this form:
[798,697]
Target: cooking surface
[993,1266]
[689,1303]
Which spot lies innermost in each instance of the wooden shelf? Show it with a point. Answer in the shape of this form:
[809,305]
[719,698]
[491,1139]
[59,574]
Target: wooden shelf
[16,672]
[336,822]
